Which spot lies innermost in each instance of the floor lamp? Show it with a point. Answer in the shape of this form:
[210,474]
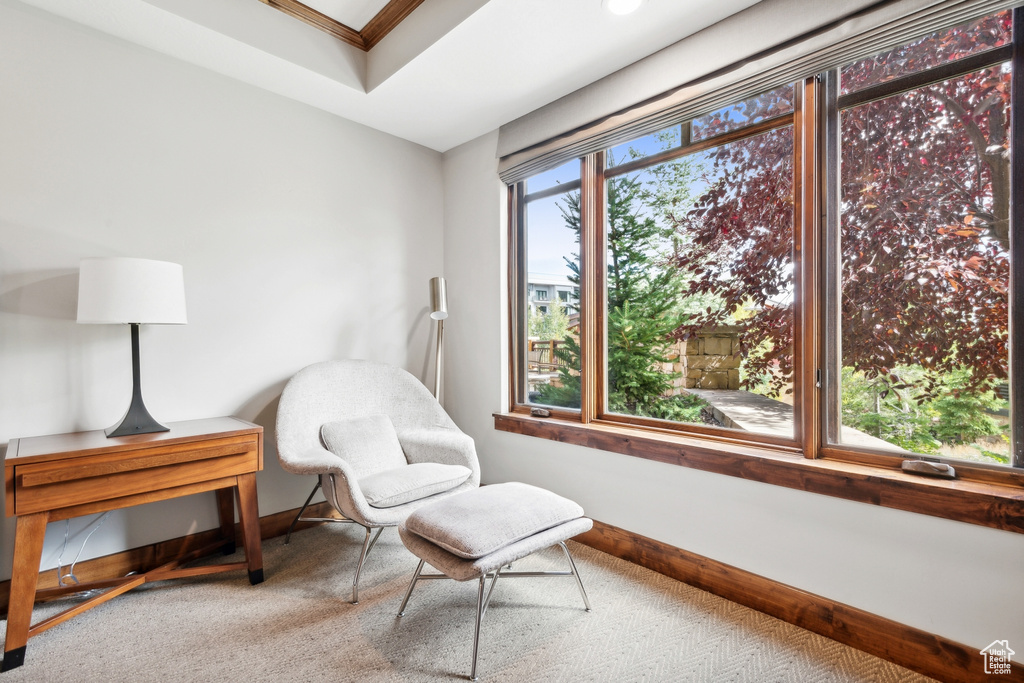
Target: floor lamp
[438,312]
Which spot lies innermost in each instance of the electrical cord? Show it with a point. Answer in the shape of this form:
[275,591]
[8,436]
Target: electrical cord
[70,575]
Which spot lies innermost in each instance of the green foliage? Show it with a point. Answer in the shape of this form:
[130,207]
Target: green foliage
[915,419]
[681,408]
[567,395]
[643,294]
[963,414]
[636,345]
[551,325]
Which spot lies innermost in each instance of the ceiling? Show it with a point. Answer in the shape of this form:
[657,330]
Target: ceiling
[353,13]
[362,23]
[450,71]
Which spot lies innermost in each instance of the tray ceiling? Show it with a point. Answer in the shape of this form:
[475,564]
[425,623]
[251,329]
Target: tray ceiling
[361,24]
[353,13]
[444,73]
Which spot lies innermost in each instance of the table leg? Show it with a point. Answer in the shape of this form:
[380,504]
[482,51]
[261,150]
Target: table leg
[28,549]
[249,516]
[226,512]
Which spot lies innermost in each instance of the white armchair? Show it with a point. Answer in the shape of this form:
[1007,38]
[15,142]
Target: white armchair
[377,440]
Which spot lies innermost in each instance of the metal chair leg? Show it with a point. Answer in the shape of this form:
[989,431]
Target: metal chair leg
[412,584]
[367,546]
[579,581]
[479,616]
[305,505]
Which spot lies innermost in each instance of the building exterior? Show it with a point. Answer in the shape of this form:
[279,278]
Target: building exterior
[544,288]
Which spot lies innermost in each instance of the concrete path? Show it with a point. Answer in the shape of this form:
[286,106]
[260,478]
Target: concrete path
[751,412]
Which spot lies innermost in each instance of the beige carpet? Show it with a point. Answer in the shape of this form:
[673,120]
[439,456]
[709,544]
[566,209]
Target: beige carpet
[299,626]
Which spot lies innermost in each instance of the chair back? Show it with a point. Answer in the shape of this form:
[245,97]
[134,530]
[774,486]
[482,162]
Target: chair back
[331,390]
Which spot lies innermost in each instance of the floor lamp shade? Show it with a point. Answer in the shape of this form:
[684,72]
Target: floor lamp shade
[438,298]
[132,291]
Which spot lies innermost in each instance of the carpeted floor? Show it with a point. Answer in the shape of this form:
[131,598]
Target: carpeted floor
[299,626]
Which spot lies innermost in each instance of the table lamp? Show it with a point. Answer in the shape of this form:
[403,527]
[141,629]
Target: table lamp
[132,291]
[438,311]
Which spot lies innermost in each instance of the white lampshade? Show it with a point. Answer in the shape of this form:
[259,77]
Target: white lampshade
[131,290]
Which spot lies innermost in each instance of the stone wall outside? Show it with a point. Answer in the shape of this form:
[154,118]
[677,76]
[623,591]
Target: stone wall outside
[709,359]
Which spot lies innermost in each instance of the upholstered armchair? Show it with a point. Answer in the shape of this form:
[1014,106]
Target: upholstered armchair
[378,441]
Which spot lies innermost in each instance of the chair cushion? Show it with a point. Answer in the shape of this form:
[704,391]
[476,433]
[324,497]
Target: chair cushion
[479,522]
[411,482]
[368,444]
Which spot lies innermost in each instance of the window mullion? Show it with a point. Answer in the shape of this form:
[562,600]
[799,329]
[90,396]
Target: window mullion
[1016,303]
[831,262]
[517,280]
[806,265]
[591,285]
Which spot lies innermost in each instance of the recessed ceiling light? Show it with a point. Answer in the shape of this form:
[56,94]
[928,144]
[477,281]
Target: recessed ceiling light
[622,6]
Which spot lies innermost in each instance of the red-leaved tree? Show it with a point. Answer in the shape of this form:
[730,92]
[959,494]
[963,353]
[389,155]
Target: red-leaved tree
[924,222]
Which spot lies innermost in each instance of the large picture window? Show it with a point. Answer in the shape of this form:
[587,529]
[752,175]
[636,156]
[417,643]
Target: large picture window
[827,268]
[921,354]
[699,290]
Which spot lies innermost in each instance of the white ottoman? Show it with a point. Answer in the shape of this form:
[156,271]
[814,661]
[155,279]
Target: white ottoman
[477,534]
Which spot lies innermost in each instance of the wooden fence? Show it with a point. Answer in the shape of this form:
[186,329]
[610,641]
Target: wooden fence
[542,357]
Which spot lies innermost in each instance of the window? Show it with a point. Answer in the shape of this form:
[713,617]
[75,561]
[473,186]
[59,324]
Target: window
[710,298]
[920,345]
[698,324]
[546,335]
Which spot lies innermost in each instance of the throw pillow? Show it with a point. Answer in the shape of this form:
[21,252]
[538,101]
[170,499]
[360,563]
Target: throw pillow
[368,444]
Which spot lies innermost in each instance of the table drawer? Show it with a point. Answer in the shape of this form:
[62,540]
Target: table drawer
[89,479]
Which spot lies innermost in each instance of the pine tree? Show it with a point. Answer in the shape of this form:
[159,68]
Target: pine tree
[643,293]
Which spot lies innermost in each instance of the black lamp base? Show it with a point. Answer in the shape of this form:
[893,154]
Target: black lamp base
[137,420]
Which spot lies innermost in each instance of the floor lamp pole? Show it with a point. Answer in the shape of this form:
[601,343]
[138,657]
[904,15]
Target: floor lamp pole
[438,312]
[439,360]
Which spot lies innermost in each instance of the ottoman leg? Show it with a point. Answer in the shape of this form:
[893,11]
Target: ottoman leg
[479,616]
[487,600]
[412,584]
[579,581]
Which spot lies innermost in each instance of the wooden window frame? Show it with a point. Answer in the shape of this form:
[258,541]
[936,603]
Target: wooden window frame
[982,494]
[836,103]
[688,148]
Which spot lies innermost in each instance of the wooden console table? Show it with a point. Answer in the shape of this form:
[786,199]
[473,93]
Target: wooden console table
[50,478]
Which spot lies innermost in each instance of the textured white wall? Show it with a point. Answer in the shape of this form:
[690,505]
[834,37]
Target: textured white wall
[303,237]
[957,580]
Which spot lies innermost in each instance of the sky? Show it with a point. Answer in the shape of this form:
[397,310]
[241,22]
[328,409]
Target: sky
[548,239]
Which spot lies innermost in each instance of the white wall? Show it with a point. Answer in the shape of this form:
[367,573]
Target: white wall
[303,237]
[956,580]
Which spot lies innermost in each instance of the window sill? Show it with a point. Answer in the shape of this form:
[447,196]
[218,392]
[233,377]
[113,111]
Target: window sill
[1000,506]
